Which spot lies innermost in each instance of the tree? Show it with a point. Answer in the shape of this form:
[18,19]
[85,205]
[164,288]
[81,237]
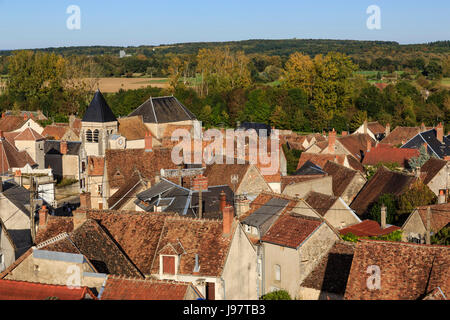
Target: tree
[389,201]
[442,237]
[300,73]
[277,295]
[417,162]
[418,195]
[433,71]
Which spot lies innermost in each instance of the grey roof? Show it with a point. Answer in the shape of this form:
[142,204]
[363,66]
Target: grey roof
[264,213]
[259,127]
[18,195]
[309,168]
[53,147]
[435,147]
[98,110]
[163,110]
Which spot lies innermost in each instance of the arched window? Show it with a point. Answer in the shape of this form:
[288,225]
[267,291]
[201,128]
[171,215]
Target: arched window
[277,270]
[96,133]
[89,136]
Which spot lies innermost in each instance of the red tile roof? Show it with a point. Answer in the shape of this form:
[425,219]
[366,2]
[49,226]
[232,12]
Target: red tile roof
[55,131]
[320,202]
[407,271]
[288,180]
[440,216]
[55,226]
[368,228]
[390,155]
[11,123]
[10,157]
[29,135]
[96,166]
[18,290]
[376,127]
[137,289]
[341,176]
[290,230]
[356,143]
[401,135]
[133,128]
[320,159]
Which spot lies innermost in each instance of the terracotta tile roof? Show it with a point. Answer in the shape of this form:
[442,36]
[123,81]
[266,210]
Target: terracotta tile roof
[401,135]
[408,271]
[341,177]
[288,180]
[220,174]
[11,136]
[356,143]
[137,289]
[55,226]
[436,294]
[368,228]
[10,157]
[431,168]
[331,273]
[440,216]
[18,290]
[133,128]
[121,164]
[169,130]
[11,123]
[320,159]
[55,131]
[376,127]
[320,202]
[202,237]
[384,181]
[390,155]
[259,201]
[94,243]
[137,234]
[127,191]
[29,135]
[96,166]
[355,164]
[290,230]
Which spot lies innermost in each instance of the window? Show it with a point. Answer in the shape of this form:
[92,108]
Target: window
[89,136]
[277,270]
[99,189]
[168,265]
[96,133]
[210,291]
[247,228]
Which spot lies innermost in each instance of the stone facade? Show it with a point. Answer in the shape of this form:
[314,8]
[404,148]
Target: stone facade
[322,185]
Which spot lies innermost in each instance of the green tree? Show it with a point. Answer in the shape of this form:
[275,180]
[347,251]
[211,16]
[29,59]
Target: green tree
[418,162]
[389,201]
[442,237]
[418,195]
[277,295]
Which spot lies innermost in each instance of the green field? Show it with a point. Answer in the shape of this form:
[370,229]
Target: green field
[446,82]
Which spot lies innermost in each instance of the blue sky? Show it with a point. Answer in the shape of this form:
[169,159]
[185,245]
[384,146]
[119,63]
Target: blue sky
[38,24]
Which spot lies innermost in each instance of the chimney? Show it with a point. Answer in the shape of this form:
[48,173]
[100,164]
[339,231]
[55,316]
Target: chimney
[383,217]
[428,226]
[148,142]
[72,119]
[25,117]
[196,271]
[388,129]
[441,198]
[85,200]
[422,127]
[63,147]
[223,201]
[440,132]
[365,126]
[79,217]
[344,133]
[332,141]
[43,215]
[228,216]
[18,176]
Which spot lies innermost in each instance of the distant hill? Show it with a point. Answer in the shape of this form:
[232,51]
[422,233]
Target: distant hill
[268,47]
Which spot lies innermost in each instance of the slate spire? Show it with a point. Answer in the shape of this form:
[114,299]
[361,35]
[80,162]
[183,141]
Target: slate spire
[98,110]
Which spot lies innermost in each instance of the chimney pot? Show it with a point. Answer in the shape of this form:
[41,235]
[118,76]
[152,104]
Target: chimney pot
[369,145]
[43,216]
[441,198]
[365,126]
[228,216]
[85,200]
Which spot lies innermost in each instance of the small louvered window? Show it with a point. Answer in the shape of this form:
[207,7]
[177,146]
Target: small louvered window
[96,134]
[89,136]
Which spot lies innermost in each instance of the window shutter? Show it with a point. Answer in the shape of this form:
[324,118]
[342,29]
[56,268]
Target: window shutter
[169,265]
[210,291]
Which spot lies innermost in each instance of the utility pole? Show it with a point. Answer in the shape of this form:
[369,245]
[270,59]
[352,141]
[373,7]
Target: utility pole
[428,234]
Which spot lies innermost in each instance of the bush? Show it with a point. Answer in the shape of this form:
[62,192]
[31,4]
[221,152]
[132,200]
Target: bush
[277,295]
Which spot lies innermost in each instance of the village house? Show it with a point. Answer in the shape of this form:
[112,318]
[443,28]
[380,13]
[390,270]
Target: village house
[346,182]
[328,280]
[384,181]
[435,173]
[32,143]
[300,186]
[434,140]
[415,227]
[61,132]
[11,157]
[384,270]
[374,129]
[369,228]
[400,135]
[12,123]
[8,251]
[387,154]
[63,157]
[122,288]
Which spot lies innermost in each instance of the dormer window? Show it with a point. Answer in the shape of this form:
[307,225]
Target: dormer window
[168,263]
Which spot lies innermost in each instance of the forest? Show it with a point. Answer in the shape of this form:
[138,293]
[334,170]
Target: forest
[302,85]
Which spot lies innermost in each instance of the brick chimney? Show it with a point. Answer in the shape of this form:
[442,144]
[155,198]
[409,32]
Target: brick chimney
[200,183]
[148,142]
[369,145]
[223,201]
[440,132]
[441,198]
[25,116]
[85,200]
[43,216]
[365,126]
[63,147]
[79,217]
[344,133]
[18,176]
[332,141]
[388,129]
[228,216]
[422,127]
